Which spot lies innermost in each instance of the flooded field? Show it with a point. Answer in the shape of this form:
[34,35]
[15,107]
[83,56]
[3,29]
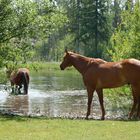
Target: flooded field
[59,94]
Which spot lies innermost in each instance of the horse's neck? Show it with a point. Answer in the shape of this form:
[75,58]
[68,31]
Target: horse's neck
[13,75]
[81,63]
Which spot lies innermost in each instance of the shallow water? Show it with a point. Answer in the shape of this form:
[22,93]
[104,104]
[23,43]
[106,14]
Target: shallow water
[58,95]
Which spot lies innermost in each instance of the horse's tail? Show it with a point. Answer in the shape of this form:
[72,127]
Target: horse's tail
[25,81]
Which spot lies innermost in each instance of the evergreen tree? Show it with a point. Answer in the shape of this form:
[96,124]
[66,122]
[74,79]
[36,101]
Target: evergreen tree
[116,10]
[95,25]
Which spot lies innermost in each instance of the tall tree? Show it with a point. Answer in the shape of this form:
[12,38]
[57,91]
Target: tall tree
[94,25]
[129,5]
[116,10]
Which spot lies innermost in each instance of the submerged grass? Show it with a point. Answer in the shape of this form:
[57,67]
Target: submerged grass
[24,128]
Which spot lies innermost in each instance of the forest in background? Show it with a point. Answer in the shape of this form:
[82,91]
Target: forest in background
[40,30]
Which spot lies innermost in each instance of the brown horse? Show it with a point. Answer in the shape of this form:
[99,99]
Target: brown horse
[98,74]
[19,78]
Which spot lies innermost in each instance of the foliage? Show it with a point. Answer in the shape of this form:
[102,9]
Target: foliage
[40,30]
[126,39]
[15,19]
[23,23]
[3,77]
[15,52]
[91,24]
[66,42]
[95,26]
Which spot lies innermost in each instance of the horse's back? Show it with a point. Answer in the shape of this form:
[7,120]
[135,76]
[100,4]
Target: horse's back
[23,73]
[131,70]
[131,62]
[114,74]
[24,70]
[17,76]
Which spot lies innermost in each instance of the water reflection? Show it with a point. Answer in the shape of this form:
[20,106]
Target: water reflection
[58,103]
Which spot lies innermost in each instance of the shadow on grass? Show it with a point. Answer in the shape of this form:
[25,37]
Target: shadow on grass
[10,117]
[18,118]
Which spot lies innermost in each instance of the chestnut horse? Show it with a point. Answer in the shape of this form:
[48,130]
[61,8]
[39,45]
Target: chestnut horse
[19,78]
[98,74]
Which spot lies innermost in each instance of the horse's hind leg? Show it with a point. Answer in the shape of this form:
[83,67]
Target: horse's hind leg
[20,86]
[100,95]
[12,86]
[26,83]
[135,101]
[25,88]
[90,96]
[138,109]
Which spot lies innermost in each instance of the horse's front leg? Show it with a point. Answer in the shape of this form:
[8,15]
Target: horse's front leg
[12,86]
[90,96]
[19,87]
[100,95]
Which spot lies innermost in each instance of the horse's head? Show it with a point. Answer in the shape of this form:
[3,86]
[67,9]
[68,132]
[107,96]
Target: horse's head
[10,70]
[66,61]
[8,73]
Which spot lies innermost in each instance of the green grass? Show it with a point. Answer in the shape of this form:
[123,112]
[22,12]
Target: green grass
[22,128]
[43,65]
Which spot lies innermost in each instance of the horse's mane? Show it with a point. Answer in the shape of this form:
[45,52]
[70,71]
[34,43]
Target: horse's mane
[92,60]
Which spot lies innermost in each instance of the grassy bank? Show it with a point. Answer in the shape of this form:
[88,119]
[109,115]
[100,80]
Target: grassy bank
[35,66]
[19,128]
